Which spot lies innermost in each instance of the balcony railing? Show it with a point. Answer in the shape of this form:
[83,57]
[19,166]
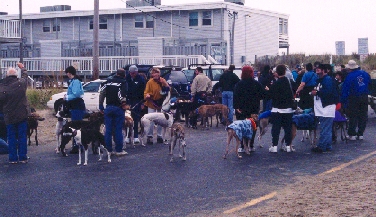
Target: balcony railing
[10,29]
[106,64]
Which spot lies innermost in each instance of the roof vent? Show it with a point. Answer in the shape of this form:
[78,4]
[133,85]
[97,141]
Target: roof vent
[239,2]
[141,3]
[55,8]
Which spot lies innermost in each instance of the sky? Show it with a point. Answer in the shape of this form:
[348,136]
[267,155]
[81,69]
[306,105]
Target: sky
[314,25]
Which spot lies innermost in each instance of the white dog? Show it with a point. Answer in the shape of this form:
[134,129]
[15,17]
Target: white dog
[61,121]
[162,119]
[128,128]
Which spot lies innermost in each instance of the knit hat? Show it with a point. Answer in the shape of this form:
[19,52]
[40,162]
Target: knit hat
[133,68]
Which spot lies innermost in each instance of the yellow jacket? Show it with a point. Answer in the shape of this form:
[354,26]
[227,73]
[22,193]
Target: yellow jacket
[154,89]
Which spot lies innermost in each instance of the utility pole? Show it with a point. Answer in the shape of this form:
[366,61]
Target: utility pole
[234,17]
[96,40]
[21,32]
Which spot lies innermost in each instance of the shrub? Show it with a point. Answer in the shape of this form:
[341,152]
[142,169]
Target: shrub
[38,97]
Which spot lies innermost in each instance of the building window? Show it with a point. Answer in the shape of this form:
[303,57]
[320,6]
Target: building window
[138,21]
[149,21]
[283,26]
[56,25]
[193,19]
[206,18]
[102,23]
[46,25]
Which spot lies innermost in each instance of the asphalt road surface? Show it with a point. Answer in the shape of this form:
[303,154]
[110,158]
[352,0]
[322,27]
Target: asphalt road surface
[145,183]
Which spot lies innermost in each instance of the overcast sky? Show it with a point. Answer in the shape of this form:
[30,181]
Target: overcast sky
[314,25]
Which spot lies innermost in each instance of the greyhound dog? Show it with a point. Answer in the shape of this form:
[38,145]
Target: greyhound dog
[128,126]
[177,135]
[241,129]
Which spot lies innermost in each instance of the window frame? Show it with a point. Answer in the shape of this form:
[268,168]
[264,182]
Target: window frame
[138,21]
[56,25]
[46,27]
[190,20]
[103,23]
[211,18]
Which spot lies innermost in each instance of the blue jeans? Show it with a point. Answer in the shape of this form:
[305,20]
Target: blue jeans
[4,149]
[325,141]
[227,99]
[17,141]
[114,120]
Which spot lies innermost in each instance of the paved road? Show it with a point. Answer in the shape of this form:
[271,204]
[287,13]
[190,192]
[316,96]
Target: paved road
[145,183]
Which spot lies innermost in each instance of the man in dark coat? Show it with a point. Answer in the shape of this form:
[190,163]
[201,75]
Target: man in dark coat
[135,95]
[15,108]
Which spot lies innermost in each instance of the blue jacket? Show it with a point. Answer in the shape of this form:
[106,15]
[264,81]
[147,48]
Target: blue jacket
[74,89]
[355,85]
[328,91]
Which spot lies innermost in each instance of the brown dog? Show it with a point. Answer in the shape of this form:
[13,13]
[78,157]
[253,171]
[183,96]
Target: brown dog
[128,126]
[221,111]
[206,111]
[177,134]
[231,133]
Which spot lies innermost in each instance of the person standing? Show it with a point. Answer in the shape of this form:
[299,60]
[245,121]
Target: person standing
[74,95]
[354,98]
[306,86]
[266,79]
[114,91]
[326,97]
[155,93]
[135,95]
[15,108]
[74,100]
[282,96]
[227,82]
[247,95]
[201,85]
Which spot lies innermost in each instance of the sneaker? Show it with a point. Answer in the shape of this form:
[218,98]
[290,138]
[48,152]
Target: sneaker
[241,150]
[159,140]
[23,161]
[288,149]
[317,150]
[136,140]
[122,153]
[252,149]
[13,162]
[273,149]
[127,140]
[360,137]
[351,138]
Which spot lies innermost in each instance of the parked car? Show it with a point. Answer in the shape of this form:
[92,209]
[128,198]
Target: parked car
[91,97]
[178,81]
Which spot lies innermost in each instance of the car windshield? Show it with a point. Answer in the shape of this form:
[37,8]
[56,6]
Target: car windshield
[215,72]
[176,77]
[91,87]
[190,74]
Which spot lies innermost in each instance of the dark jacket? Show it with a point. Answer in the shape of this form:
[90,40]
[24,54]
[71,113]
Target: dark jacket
[228,80]
[280,93]
[328,91]
[114,90]
[247,95]
[136,88]
[13,98]
[355,85]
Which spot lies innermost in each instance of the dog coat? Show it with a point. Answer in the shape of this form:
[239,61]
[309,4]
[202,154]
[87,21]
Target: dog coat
[243,128]
[304,121]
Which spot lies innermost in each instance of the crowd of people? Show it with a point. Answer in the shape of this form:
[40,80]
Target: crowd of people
[316,85]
